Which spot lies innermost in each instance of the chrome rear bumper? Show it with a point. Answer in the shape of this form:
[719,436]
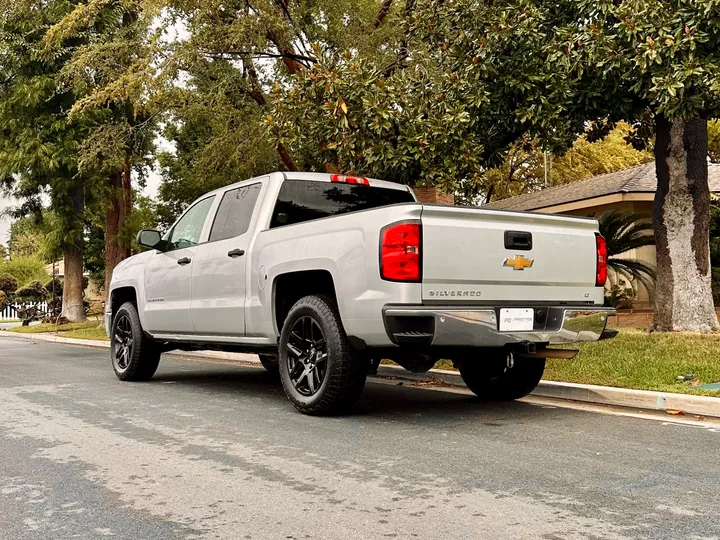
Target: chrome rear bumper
[478,327]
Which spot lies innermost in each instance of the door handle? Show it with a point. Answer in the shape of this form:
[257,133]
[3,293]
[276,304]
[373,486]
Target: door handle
[183,261]
[236,253]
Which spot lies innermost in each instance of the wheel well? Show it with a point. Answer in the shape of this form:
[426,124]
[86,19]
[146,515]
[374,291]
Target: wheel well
[122,295]
[289,288]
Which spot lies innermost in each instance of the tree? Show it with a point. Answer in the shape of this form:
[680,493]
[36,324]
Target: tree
[38,144]
[658,65]
[625,232]
[527,168]
[552,69]
[110,72]
[234,54]
[3,252]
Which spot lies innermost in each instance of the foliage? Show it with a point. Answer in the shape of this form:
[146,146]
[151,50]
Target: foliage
[625,232]
[32,292]
[38,144]
[56,285]
[714,141]
[524,167]
[232,55]
[3,300]
[3,252]
[28,236]
[8,284]
[619,297]
[25,269]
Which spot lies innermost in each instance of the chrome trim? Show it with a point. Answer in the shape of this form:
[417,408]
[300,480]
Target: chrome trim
[479,327]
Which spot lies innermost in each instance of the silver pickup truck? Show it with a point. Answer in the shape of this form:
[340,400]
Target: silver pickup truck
[323,276]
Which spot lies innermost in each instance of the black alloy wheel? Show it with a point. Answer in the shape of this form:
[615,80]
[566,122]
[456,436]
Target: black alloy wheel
[123,343]
[135,355]
[307,356]
[319,370]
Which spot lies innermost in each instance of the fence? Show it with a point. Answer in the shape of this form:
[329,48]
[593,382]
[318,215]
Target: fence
[9,312]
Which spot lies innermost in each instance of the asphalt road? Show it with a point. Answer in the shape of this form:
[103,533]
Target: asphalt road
[211,450]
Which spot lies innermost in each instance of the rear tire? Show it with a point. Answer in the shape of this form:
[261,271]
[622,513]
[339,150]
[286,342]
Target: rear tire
[134,356]
[270,363]
[320,372]
[489,377]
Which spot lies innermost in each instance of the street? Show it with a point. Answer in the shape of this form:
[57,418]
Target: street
[213,450]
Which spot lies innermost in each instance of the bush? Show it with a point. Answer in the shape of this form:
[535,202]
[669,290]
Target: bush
[32,292]
[58,287]
[619,297]
[25,269]
[8,284]
[3,300]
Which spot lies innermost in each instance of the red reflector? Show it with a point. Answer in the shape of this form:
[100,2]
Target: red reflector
[400,252]
[601,274]
[349,179]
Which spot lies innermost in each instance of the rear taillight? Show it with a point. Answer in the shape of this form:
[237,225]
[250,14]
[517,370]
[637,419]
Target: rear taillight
[400,246]
[601,273]
[349,179]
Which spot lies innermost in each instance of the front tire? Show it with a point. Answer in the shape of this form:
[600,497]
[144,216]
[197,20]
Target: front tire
[135,357]
[489,377]
[320,372]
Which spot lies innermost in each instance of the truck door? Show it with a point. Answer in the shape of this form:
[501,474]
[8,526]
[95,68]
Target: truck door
[168,274]
[221,267]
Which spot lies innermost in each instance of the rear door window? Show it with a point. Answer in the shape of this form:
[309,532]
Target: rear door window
[305,200]
[234,212]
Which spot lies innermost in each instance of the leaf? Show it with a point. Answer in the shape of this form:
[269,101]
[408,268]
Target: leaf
[675,412]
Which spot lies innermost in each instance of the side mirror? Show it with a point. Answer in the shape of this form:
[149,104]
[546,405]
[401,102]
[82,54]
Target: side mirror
[149,239]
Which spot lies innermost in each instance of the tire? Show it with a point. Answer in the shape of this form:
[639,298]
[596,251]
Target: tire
[134,356]
[491,379]
[270,363]
[320,373]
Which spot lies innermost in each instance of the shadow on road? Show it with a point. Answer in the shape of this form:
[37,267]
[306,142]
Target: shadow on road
[379,399]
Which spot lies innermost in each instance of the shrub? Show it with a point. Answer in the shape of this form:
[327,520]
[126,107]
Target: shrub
[8,284]
[25,269]
[58,287]
[619,297]
[32,292]
[3,300]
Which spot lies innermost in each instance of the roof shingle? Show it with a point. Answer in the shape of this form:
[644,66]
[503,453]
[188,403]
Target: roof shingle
[639,179]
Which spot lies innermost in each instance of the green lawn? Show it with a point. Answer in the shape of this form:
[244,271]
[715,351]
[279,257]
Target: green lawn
[635,359]
[85,330]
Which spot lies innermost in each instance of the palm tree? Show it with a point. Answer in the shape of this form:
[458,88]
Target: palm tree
[624,232]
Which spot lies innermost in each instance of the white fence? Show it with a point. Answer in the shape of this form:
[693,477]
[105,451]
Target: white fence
[9,312]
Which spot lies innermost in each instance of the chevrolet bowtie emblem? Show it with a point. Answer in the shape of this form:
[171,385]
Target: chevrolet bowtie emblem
[519,262]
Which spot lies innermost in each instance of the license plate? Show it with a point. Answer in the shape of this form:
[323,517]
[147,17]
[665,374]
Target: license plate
[516,320]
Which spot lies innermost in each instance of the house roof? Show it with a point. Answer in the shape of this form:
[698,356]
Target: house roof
[639,179]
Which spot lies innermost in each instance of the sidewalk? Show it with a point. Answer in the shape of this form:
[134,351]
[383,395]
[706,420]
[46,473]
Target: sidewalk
[602,395]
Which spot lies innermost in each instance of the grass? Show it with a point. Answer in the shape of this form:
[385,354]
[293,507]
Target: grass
[636,359]
[85,330]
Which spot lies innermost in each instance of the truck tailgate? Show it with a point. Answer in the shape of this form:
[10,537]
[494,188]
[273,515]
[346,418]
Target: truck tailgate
[465,258]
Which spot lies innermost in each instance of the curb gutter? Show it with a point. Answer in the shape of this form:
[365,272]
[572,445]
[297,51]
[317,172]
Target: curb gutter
[588,393]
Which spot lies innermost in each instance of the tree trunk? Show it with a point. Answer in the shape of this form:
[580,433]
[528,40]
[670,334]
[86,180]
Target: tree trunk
[114,219]
[73,257]
[683,294]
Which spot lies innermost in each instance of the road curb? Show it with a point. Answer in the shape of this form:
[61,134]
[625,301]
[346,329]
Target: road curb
[588,393]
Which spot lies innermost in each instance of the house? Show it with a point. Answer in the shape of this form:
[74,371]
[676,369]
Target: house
[629,190]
